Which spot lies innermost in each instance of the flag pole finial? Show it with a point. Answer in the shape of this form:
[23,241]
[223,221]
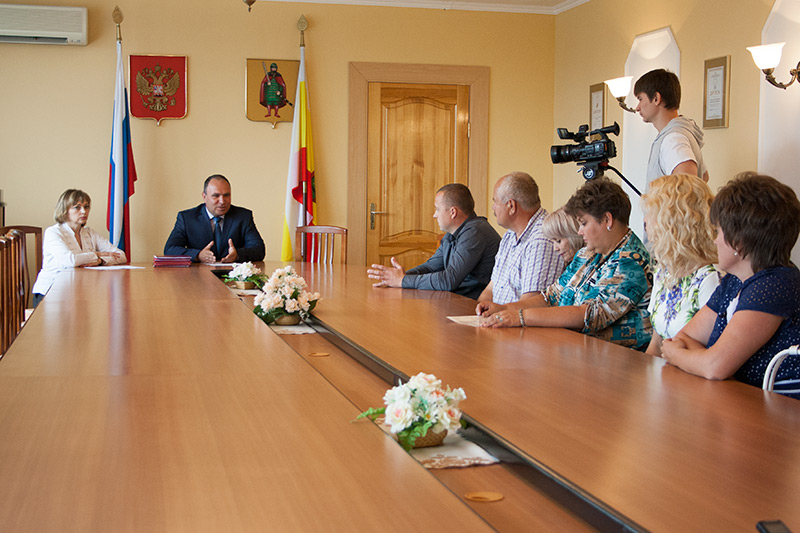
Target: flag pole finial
[117,17]
[302,25]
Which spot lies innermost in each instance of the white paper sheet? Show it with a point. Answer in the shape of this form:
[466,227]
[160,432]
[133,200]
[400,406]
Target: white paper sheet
[470,320]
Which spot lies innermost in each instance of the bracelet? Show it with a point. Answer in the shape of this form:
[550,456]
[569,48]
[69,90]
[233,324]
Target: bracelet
[521,319]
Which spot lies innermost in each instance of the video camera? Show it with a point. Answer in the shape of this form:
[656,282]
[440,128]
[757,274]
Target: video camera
[593,156]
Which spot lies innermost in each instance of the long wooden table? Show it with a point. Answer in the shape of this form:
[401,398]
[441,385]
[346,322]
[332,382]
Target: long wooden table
[661,449]
[154,400]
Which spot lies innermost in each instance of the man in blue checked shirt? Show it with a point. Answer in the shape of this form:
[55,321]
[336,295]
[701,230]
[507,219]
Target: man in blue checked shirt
[526,263]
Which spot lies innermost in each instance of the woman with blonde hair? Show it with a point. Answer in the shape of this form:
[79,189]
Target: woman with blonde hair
[676,213]
[71,244]
[562,229]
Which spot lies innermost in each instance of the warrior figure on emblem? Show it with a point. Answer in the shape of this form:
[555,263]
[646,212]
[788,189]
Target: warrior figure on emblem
[273,90]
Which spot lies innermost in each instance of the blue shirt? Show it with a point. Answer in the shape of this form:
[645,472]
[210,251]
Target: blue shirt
[463,262]
[775,291]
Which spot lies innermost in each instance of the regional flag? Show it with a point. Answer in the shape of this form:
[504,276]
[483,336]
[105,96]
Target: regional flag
[122,171]
[301,168]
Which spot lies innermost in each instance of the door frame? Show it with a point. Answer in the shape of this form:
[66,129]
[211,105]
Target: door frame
[360,76]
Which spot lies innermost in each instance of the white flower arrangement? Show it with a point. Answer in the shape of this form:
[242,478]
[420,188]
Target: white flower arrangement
[245,272]
[417,406]
[284,293]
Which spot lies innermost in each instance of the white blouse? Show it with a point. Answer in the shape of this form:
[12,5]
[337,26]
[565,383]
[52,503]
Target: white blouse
[61,251]
[671,307]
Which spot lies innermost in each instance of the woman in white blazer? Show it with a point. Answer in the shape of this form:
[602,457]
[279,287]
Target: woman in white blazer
[70,243]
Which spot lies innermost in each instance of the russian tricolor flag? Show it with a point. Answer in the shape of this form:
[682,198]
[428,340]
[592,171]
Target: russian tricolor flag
[122,173]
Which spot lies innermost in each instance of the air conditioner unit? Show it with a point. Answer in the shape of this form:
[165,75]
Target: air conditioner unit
[43,24]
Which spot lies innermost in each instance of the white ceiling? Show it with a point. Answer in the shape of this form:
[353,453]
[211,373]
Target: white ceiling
[541,7]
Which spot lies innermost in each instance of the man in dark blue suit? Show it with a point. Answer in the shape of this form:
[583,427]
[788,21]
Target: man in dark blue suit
[216,231]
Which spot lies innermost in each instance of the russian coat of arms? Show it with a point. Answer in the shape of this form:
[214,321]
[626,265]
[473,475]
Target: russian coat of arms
[160,87]
[157,87]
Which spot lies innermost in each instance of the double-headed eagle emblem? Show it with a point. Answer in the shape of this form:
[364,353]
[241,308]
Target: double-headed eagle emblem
[157,87]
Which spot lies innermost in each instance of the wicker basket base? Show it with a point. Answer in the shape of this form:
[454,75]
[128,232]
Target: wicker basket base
[244,285]
[288,320]
[430,439]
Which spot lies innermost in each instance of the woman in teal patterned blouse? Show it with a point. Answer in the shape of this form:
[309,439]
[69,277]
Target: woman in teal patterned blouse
[605,290]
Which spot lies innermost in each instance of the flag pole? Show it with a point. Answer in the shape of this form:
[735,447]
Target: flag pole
[302,24]
[300,206]
[122,171]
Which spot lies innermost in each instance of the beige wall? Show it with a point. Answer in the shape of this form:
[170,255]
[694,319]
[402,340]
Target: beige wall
[592,44]
[55,104]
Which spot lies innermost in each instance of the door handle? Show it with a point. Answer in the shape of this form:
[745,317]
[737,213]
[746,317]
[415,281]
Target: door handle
[372,214]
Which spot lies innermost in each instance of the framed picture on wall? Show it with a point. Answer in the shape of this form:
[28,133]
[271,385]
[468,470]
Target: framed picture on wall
[716,92]
[597,106]
[158,86]
[270,90]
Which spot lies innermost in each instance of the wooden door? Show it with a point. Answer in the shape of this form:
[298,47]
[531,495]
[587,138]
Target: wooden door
[418,141]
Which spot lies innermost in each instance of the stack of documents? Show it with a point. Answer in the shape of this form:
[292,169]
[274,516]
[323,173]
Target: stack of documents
[172,261]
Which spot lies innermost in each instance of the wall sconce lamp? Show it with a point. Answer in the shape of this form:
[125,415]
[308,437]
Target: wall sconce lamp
[249,4]
[767,57]
[620,87]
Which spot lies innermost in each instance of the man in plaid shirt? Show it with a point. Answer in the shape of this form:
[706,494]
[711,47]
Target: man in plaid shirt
[526,263]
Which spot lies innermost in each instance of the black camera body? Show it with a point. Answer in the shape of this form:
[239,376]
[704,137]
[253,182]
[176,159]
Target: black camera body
[593,156]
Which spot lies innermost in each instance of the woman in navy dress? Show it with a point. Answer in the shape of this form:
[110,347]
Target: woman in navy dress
[755,312]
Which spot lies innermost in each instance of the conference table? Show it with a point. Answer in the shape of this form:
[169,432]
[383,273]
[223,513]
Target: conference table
[155,400]
[652,446]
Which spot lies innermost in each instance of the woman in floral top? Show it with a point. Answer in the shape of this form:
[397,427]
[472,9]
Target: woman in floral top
[604,292]
[682,241]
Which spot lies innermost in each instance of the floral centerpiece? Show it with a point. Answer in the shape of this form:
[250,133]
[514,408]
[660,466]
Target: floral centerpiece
[418,406]
[245,273]
[284,295]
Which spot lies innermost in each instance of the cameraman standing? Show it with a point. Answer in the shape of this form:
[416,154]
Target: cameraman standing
[676,149]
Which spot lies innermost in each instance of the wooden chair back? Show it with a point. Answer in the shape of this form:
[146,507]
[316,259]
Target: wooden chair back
[19,269]
[36,231]
[321,242]
[13,265]
[6,303]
